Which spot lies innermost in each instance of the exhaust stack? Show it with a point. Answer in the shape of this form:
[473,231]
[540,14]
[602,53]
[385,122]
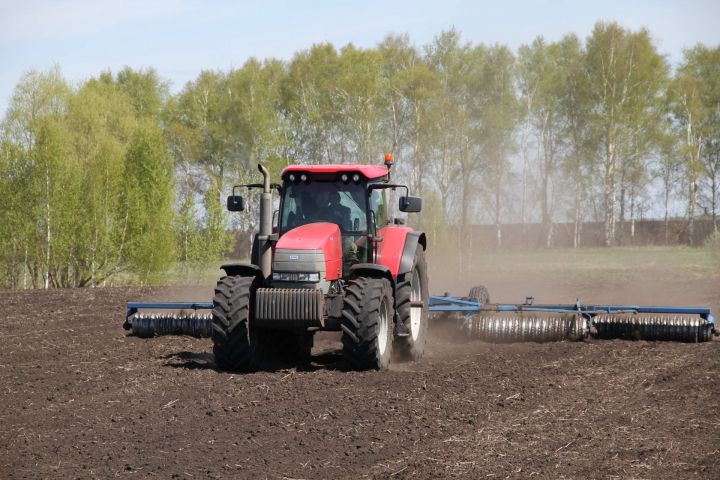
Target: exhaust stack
[265,224]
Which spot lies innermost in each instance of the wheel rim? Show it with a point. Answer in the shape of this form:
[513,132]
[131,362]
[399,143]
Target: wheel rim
[383,327]
[415,312]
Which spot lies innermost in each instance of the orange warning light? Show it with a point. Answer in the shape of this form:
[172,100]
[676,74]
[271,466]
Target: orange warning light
[389,158]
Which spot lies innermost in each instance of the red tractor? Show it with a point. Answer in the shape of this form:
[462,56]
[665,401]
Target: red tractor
[335,261]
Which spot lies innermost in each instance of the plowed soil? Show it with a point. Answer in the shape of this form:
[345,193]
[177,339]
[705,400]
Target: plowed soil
[80,399]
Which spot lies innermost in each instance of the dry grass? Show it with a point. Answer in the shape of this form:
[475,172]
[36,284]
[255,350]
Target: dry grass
[602,262]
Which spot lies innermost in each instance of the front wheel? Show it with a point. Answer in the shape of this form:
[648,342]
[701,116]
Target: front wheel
[367,323]
[234,342]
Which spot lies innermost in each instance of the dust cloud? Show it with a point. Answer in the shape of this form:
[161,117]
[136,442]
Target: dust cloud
[562,276]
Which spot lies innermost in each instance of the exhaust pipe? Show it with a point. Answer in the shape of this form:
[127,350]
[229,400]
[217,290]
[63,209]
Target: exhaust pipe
[266,214]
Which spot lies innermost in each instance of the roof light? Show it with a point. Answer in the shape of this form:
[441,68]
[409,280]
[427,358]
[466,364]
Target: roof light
[344,177]
[291,177]
[356,178]
[389,159]
[304,177]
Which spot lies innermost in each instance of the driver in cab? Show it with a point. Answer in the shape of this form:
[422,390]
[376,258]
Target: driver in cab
[331,211]
[338,213]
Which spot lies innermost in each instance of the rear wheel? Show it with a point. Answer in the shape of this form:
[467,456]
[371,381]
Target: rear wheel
[367,323]
[234,341]
[412,289]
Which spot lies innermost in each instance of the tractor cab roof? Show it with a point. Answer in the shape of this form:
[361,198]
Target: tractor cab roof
[370,172]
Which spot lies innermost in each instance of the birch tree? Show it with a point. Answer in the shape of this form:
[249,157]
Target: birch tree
[622,74]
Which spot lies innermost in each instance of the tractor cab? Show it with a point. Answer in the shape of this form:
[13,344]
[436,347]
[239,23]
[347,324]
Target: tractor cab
[345,197]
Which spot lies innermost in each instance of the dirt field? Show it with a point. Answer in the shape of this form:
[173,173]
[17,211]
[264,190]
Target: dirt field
[81,400]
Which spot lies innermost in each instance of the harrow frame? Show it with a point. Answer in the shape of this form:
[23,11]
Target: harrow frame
[444,303]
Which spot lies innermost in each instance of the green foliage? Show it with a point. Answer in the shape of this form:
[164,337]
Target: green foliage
[65,168]
[216,240]
[200,244]
[102,120]
[35,238]
[188,232]
[694,98]
[146,201]
[626,76]
[146,91]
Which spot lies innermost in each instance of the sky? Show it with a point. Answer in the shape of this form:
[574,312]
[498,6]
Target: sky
[179,38]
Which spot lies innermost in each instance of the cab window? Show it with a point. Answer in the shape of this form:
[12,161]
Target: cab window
[378,205]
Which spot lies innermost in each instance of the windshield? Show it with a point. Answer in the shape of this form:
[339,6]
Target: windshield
[333,202]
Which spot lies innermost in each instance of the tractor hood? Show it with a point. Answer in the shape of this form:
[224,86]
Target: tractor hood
[314,240]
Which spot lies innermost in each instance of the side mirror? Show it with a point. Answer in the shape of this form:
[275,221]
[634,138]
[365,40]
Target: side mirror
[410,204]
[235,203]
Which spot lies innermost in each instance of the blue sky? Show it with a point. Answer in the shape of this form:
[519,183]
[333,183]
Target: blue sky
[182,37]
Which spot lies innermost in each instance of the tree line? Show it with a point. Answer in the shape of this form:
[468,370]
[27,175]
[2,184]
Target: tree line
[116,174]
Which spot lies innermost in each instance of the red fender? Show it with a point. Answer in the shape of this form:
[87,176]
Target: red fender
[390,249]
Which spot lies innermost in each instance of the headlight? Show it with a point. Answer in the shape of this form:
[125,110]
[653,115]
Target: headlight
[295,277]
[309,277]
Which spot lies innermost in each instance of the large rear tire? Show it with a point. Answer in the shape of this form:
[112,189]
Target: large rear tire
[413,287]
[367,323]
[234,345]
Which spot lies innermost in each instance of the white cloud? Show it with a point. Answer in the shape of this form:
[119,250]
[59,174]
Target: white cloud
[42,20]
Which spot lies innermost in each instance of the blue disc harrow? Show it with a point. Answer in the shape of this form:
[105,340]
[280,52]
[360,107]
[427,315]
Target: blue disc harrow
[493,322]
[528,321]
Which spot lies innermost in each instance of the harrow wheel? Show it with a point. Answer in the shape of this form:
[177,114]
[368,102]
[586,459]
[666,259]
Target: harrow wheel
[367,326]
[412,287]
[480,293]
[662,327]
[234,342]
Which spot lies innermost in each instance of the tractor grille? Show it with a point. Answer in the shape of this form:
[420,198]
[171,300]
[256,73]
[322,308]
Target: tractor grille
[289,306]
